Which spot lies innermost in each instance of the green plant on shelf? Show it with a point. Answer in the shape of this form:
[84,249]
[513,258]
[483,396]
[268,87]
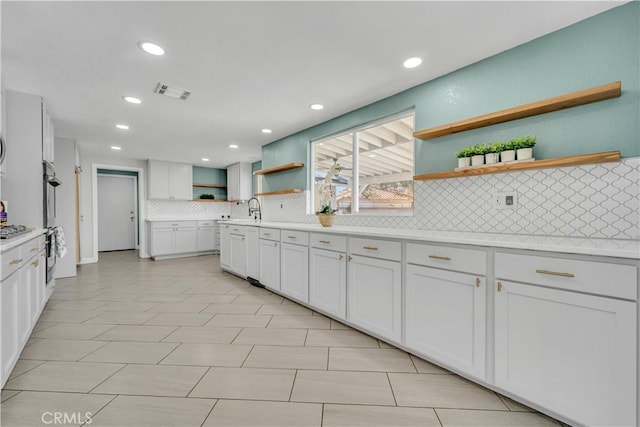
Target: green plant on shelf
[464,152]
[479,149]
[497,147]
[207,196]
[527,141]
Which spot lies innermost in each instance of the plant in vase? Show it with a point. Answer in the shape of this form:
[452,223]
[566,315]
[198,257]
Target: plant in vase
[523,146]
[464,157]
[508,154]
[477,154]
[494,153]
[326,214]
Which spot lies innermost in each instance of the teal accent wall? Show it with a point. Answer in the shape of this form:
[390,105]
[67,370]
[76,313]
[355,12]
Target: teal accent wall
[256,166]
[202,175]
[596,51]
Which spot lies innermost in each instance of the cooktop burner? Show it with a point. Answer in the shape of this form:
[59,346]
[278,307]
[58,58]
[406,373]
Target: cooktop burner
[9,231]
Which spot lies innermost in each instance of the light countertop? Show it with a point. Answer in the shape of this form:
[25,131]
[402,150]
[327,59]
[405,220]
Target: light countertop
[6,244]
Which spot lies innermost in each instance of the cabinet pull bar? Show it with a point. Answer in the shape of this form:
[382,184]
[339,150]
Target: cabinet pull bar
[371,248]
[267,234]
[36,263]
[555,273]
[349,258]
[341,257]
[444,258]
[325,241]
[175,225]
[15,261]
[477,282]
[275,244]
[291,237]
[35,249]
[499,286]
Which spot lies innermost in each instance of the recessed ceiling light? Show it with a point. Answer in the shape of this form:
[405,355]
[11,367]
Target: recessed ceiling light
[132,99]
[233,146]
[151,48]
[412,62]
[123,127]
[316,106]
[266,131]
[204,159]
[115,147]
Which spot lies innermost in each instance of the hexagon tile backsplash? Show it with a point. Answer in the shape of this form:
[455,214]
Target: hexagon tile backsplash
[597,201]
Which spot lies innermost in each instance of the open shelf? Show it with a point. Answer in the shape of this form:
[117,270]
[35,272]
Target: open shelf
[585,159]
[210,200]
[280,168]
[574,99]
[279,192]
[210,185]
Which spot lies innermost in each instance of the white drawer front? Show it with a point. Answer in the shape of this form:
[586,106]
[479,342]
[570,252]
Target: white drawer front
[295,237]
[600,278]
[11,261]
[238,229]
[467,260]
[329,241]
[376,248]
[270,234]
[209,223]
[172,224]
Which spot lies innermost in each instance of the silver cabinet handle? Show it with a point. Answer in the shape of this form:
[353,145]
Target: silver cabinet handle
[35,249]
[291,237]
[325,241]
[444,258]
[555,273]
[371,248]
[15,261]
[266,234]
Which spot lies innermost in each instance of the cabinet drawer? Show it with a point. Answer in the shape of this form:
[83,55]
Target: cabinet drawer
[270,234]
[237,229]
[376,248]
[329,241]
[11,261]
[593,277]
[209,223]
[172,224]
[295,237]
[467,260]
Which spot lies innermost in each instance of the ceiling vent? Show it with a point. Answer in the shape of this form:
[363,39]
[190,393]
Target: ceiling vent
[172,91]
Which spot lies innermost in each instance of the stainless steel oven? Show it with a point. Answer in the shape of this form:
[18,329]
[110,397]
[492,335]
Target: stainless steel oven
[49,182]
[50,253]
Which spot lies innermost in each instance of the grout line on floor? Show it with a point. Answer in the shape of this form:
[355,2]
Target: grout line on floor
[199,380]
[124,365]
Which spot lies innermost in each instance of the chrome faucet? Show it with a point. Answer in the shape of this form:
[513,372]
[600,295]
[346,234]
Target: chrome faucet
[252,211]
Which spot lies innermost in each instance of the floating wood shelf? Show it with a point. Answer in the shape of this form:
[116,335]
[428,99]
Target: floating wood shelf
[279,192]
[210,200]
[280,168]
[574,99]
[585,159]
[210,185]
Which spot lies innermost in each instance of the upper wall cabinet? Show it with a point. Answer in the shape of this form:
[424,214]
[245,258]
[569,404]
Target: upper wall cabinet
[239,181]
[47,135]
[170,180]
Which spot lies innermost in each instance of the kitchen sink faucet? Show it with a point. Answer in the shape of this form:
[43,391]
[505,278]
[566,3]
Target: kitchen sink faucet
[252,211]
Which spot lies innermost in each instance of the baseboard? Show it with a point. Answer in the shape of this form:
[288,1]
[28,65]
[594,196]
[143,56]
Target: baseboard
[91,260]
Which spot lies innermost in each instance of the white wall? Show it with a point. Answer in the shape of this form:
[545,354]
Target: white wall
[65,155]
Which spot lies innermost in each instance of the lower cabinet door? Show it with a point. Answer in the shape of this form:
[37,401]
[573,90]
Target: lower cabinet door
[270,264]
[253,253]
[186,240]
[328,281]
[225,246]
[9,344]
[294,271]
[445,317]
[571,353]
[374,296]
[238,254]
[206,239]
[162,241]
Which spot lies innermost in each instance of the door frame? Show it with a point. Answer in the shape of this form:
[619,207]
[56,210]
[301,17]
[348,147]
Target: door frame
[136,214]
[142,208]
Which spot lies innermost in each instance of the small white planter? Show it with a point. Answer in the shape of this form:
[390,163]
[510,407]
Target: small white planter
[464,162]
[508,156]
[524,153]
[477,160]
[491,158]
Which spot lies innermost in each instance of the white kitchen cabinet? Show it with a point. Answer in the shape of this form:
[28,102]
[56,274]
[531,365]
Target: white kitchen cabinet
[572,353]
[328,281]
[238,253]
[172,238]
[170,180]
[253,252]
[294,265]
[10,343]
[225,246]
[206,236]
[186,240]
[270,263]
[239,181]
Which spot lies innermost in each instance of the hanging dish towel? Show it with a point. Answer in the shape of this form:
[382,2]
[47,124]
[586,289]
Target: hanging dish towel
[59,243]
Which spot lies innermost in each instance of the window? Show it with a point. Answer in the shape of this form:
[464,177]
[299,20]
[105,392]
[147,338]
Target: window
[375,159]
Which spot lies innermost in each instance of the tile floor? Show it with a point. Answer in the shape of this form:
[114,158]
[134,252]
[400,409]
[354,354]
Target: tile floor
[133,342]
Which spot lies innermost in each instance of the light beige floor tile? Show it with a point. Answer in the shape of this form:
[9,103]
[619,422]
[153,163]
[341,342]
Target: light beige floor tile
[73,331]
[233,308]
[442,391]
[41,326]
[52,349]
[374,416]
[130,306]
[243,287]
[285,309]
[203,335]
[299,322]
[209,299]
[179,307]
[150,411]
[122,318]
[265,336]
[149,333]
[337,325]
[425,367]
[64,376]
[515,406]
[369,359]
[162,298]
[24,365]
[37,409]
[287,357]
[471,418]
[246,383]
[67,316]
[339,338]
[366,388]
[8,394]
[208,355]
[179,319]
[246,413]
[215,289]
[153,380]
[383,344]
[131,352]
[258,299]
[239,321]
[76,305]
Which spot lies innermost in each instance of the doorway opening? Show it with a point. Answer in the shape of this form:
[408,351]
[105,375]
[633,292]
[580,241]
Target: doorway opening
[118,209]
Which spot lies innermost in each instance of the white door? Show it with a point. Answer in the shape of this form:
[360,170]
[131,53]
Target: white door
[116,212]
[328,281]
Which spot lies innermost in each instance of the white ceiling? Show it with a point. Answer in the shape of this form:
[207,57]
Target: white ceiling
[249,65]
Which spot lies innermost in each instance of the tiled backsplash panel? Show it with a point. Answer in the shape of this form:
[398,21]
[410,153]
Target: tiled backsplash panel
[598,201]
[171,209]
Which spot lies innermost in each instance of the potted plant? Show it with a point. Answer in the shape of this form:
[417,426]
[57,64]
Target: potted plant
[326,215]
[494,153]
[464,157]
[524,146]
[477,154]
[508,154]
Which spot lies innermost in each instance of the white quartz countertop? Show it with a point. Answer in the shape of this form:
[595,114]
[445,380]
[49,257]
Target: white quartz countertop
[572,245]
[7,244]
[182,219]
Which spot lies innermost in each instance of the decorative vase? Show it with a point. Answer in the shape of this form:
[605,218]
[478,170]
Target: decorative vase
[326,220]
[464,162]
[524,153]
[508,156]
[477,160]
[491,158]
